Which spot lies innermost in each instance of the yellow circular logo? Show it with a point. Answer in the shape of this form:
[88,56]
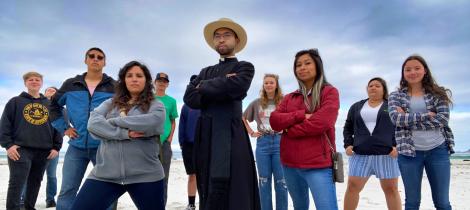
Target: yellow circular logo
[36,113]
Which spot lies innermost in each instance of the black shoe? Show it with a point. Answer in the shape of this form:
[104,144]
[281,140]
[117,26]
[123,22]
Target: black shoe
[50,204]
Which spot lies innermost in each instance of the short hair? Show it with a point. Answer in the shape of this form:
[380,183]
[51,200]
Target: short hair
[97,49]
[31,74]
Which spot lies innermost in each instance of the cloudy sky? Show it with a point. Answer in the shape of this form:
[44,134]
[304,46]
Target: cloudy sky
[358,40]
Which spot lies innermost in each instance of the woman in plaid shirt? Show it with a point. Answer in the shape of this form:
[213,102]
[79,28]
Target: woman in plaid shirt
[420,112]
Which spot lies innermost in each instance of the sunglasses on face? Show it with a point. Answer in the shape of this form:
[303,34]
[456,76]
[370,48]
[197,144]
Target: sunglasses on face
[92,56]
[161,80]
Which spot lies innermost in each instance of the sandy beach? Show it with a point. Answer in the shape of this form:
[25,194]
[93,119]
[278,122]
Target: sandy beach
[372,197]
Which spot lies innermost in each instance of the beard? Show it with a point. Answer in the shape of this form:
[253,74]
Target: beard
[224,51]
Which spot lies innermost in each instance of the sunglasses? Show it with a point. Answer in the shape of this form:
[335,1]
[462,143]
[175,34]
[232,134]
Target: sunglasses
[92,56]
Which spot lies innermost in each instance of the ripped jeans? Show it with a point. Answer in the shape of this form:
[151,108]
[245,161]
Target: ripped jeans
[269,164]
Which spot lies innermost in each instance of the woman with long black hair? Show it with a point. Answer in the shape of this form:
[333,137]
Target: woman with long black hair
[127,160]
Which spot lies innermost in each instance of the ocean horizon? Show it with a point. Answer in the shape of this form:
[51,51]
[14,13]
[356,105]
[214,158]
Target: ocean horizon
[178,156]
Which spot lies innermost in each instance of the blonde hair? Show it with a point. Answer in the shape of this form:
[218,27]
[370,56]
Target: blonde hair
[277,93]
[31,74]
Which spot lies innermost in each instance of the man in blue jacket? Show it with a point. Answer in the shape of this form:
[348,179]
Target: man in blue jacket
[80,95]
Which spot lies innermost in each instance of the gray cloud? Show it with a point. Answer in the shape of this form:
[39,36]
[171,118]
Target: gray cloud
[357,40]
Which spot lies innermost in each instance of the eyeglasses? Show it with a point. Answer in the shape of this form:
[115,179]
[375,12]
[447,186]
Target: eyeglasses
[92,56]
[224,35]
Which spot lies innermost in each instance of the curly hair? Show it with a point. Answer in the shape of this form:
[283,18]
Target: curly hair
[122,96]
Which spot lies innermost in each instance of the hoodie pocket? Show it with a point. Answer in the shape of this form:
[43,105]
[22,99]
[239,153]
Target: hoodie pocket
[108,160]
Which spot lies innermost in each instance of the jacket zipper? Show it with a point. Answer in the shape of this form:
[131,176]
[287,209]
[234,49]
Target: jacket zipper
[90,98]
[123,174]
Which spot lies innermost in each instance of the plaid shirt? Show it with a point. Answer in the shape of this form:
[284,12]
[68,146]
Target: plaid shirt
[406,122]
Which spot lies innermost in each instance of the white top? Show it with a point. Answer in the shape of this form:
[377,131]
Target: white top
[369,115]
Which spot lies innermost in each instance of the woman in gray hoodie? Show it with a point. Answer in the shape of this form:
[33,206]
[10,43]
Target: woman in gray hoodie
[127,160]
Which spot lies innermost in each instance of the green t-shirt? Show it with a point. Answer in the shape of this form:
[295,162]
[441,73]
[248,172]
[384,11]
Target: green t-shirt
[171,114]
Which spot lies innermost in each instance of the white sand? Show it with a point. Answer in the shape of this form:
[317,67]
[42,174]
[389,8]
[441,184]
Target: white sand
[372,197]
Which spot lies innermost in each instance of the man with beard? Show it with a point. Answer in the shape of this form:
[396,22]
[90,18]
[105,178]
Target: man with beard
[225,169]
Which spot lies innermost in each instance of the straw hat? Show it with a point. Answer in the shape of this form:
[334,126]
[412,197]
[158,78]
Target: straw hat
[225,23]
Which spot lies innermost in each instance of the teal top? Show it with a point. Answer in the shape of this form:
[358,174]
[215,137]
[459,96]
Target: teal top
[171,114]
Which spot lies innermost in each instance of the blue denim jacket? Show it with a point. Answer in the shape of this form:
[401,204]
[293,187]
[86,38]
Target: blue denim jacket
[406,122]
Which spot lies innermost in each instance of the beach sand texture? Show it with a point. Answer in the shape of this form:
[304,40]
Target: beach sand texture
[372,197]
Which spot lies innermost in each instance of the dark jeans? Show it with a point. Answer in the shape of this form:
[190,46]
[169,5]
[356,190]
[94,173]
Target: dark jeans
[51,185]
[76,161]
[28,169]
[437,165]
[165,158]
[98,195]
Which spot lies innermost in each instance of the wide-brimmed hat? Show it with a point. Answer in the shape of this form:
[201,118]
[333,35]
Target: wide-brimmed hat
[225,23]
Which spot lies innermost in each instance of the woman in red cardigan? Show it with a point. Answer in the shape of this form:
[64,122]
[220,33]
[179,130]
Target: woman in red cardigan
[307,118]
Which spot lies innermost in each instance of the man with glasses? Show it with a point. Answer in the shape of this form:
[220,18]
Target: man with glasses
[225,167]
[161,84]
[80,94]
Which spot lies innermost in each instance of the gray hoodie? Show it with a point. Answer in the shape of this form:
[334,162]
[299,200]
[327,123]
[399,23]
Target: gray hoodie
[120,159]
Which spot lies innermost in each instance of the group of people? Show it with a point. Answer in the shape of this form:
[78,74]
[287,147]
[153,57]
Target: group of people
[125,128]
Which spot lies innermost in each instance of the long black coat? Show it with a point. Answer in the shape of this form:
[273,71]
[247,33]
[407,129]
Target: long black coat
[225,168]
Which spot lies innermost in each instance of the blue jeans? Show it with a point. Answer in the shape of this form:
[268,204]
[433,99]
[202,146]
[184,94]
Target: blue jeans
[75,163]
[99,195]
[437,165]
[321,185]
[51,186]
[268,162]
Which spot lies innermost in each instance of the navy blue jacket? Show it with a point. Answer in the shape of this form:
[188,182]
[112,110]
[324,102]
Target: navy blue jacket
[355,132]
[75,96]
[187,124]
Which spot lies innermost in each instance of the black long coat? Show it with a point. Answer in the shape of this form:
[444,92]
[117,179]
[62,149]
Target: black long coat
[225,168]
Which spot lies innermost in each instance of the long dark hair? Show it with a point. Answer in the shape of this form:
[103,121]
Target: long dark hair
[318,83]
[384,86]
[122,96]
[428,82]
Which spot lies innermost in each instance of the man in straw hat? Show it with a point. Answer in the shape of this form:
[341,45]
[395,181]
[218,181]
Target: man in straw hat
[225,169]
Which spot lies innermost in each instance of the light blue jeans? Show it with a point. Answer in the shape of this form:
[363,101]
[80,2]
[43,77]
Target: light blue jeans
[269,164]
[321,185]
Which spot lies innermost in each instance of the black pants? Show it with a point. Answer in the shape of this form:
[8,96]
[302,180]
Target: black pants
[28,169]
